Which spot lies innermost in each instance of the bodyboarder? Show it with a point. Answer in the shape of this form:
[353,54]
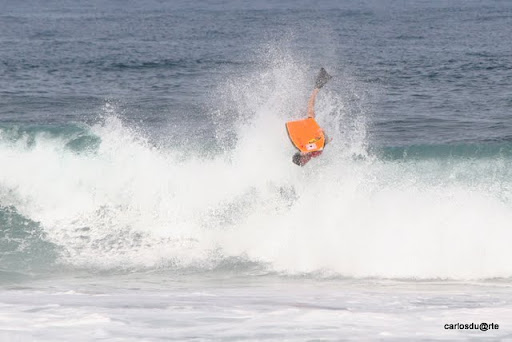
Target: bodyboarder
[306,135]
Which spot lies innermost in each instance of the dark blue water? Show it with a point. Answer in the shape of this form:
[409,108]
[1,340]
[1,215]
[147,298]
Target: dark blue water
[429,71]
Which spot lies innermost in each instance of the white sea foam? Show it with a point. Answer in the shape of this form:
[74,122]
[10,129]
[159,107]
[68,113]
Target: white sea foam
[131,204]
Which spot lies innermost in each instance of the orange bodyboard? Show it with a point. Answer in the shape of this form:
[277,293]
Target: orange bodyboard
[306,135]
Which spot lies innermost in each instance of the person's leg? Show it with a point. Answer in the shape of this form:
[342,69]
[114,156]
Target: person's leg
[311,103]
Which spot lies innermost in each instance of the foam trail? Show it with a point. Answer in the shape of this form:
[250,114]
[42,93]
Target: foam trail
[129,204]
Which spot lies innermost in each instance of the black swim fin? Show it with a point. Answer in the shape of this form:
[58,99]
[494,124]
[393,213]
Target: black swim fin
[322,78]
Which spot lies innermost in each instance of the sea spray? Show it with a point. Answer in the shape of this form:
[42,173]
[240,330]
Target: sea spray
[129,204]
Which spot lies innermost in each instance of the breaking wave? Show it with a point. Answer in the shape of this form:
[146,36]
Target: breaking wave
[104,196]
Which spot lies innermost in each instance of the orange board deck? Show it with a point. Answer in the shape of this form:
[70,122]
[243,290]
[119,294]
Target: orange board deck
[306,135]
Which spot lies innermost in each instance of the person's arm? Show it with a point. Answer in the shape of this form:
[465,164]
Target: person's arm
[311,103]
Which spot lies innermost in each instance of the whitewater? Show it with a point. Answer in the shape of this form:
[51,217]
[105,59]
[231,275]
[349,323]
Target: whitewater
[107,198]
[112,221]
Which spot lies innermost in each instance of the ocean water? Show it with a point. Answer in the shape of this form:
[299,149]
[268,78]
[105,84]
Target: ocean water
[147,190]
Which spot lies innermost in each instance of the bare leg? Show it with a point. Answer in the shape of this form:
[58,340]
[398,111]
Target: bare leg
[311,103]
